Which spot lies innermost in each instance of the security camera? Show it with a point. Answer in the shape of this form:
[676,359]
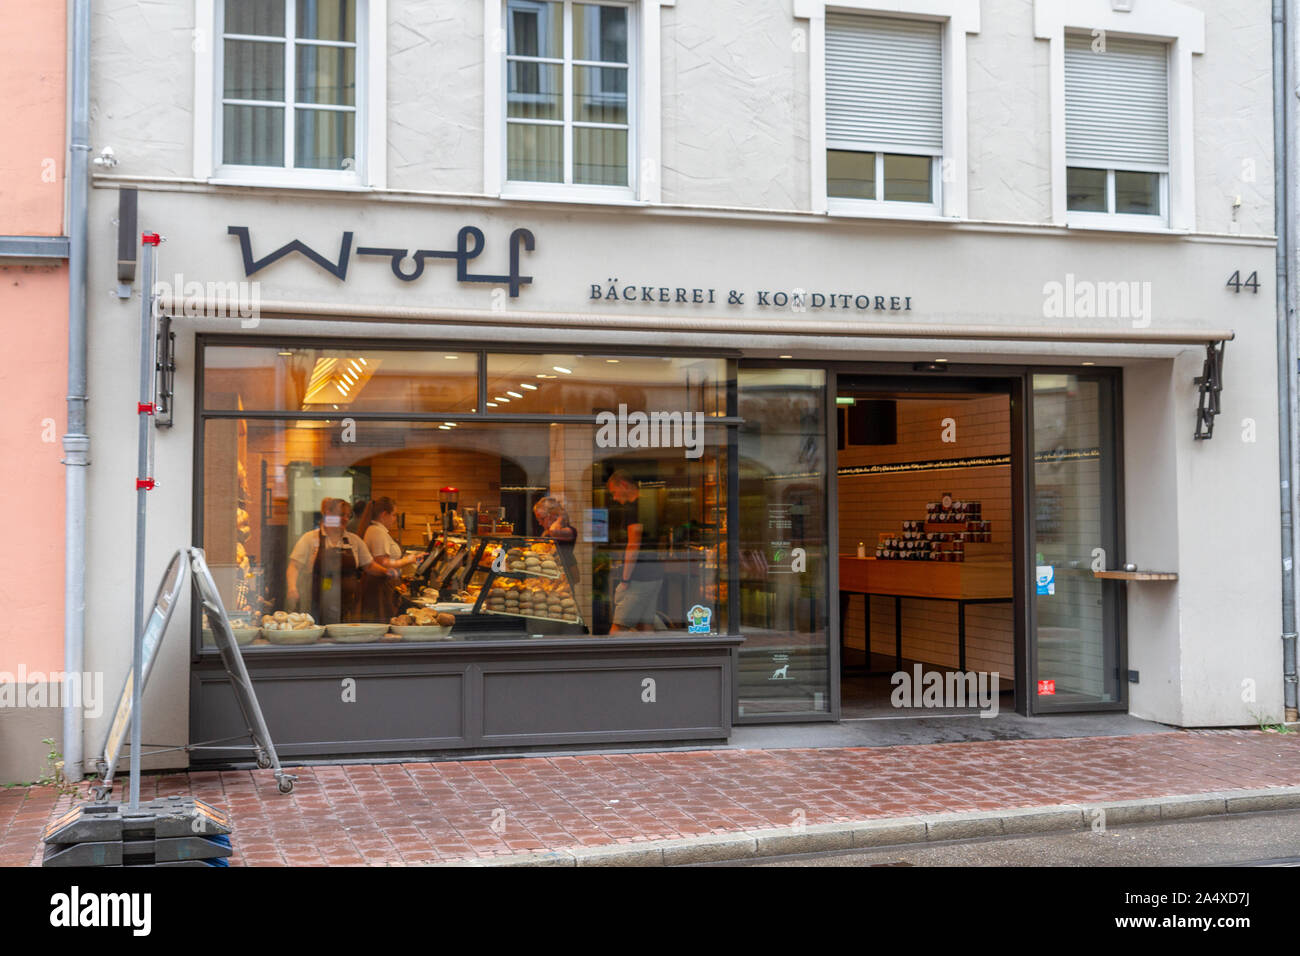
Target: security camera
[106,158]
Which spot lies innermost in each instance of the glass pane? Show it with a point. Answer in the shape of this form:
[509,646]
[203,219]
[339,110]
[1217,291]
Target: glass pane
[600,156]
[1137,193]
[327,74]
[590,384]
[1076,649]
[600,94]
[327,20]
[534,153]
[850,175]
[253,70]
[599,33]
[286,531]
[535,90]
[784,662]
[253,135]
[239,378]
[536,29]
[255,17]
[907,178]
[324,139]
[1085,189]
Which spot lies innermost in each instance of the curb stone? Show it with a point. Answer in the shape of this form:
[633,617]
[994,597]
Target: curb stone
[900,831]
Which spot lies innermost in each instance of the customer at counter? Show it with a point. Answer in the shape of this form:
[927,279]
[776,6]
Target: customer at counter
[326,567]
[554,521]
[636,597]
[379,600]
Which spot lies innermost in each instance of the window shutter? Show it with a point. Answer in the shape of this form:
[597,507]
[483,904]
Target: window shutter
[1117,104]
[884,84]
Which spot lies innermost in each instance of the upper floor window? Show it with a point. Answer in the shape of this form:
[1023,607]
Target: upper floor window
[569,116]
[1116,127]
[288,87]
[884,109]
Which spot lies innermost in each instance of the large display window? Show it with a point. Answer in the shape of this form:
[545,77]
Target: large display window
[382,497]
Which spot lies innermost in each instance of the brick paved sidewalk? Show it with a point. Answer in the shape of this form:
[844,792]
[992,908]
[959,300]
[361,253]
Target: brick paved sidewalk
[430,812]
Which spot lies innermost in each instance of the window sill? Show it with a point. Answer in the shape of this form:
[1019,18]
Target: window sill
[591,195]
[868,209]
[1104,222]
[290,179]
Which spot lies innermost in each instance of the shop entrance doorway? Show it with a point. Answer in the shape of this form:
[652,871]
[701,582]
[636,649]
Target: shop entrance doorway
[927,494]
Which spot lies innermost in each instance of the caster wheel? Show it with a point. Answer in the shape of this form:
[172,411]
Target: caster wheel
[263,761]
[285,786]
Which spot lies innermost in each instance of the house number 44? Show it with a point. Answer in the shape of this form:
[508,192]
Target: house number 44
[1251,283]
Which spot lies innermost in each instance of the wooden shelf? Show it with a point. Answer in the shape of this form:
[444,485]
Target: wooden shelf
[1136,575]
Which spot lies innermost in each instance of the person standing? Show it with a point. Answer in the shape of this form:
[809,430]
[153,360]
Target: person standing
[379,599]
[326,567]
[641,575]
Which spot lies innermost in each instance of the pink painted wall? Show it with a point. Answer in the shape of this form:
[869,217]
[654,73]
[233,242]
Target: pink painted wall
[34,310]
[33,64]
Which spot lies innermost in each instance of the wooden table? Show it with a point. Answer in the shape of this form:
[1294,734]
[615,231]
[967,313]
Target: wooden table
[962,582]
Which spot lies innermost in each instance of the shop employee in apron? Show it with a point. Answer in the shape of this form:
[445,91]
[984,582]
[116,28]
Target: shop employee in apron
[326,568]
[378,595]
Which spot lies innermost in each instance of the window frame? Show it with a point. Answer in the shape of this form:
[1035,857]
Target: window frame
[644,111]
[1079,217]
[1182,29]
[369,109]
[949,178]
[569,64]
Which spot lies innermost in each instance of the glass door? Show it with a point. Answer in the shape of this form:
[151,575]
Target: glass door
[1076,633]
[784,664]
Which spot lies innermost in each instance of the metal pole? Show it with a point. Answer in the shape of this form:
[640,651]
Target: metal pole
[76,442]
[1286,352]
[144,482]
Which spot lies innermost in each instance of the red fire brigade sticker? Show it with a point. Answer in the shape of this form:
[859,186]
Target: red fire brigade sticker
[1046,687]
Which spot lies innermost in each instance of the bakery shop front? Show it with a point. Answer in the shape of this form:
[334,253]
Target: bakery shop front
[479,476]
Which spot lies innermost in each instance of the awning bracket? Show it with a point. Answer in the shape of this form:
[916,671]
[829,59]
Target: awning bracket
[1210,383]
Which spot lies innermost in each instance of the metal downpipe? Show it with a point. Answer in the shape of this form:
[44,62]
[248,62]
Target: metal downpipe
[76,441]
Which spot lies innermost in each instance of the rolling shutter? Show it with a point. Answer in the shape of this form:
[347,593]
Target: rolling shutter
[1117,104]
[884,84]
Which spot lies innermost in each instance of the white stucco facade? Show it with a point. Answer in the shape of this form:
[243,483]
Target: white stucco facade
[736,215]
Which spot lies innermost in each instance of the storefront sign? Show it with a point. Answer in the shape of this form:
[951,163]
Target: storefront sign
[796,300]
[469,244]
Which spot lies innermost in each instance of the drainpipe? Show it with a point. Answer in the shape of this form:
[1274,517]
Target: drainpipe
[76,442]
[1287,353]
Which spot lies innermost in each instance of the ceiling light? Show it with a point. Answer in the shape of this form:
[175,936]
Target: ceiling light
[501,398]
[612,361]
[444,428]
[531,388]
[491,404]
[514,394]
[284,352]
[450,424]
[451,356]
[785,356]
[941,360]
[562,369]
[1089,363]
[361,359]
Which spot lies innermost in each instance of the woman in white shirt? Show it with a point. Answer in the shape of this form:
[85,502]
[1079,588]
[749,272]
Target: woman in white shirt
[379,599]
[327,567]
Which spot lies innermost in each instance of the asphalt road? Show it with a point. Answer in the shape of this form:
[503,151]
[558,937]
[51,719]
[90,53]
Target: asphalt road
[1271,839]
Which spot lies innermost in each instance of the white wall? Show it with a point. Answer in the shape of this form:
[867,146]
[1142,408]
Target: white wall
[735,119]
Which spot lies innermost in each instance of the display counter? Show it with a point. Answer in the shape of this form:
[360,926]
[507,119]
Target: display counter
[977,581]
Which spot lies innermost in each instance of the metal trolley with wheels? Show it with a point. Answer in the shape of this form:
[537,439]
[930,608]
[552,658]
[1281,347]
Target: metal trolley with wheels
[184,564]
